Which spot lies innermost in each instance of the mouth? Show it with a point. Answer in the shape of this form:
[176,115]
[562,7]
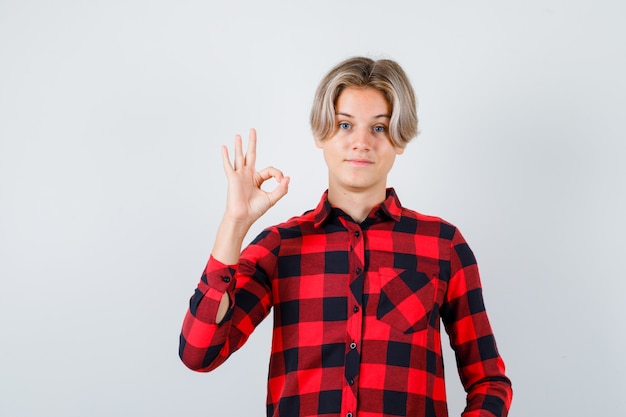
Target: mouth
[359,162]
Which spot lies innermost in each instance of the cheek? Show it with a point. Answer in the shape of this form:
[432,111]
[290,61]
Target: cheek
[389,160]
[332,151]
[328,156]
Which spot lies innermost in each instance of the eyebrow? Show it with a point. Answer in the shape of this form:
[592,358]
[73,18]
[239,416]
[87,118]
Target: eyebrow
[388,116]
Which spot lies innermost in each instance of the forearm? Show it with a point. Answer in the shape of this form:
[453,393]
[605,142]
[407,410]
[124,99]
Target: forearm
[204,341]
[228,241]
[227,248]
[490,397]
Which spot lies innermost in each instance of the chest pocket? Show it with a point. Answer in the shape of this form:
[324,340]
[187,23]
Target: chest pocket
[407,298]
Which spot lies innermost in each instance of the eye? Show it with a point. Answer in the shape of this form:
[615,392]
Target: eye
[344,125]
[380,129]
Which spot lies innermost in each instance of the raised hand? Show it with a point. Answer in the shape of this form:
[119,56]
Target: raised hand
[246,201]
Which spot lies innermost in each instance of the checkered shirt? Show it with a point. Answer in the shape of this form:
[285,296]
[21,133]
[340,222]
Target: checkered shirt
[357,311]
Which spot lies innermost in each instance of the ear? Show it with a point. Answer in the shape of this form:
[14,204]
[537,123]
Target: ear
[399,150]
[318,143]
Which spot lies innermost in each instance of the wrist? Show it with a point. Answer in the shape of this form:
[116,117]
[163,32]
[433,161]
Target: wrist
[230,236]
[234,227]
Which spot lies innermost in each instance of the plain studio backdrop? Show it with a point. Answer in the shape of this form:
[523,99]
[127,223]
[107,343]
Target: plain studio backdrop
[112,114]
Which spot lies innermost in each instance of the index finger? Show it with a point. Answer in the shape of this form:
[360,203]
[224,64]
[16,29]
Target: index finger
[250,158]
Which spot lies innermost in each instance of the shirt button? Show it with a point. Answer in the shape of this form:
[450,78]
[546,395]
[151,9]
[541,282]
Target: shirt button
[351,381]
[357,233]
[358,271]
[355,309]
[349,415]
[226,279]
[352,345]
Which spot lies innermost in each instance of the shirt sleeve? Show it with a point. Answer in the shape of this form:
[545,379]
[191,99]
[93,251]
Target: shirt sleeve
[480,365]
[206,344]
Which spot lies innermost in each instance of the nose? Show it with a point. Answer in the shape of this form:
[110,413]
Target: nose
[361,139]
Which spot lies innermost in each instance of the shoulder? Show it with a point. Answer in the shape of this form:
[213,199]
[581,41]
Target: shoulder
[427,224]
[295,226]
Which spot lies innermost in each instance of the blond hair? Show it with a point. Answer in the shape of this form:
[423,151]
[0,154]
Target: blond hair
[383,75]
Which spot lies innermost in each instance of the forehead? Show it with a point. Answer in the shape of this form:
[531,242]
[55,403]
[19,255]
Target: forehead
[362,100]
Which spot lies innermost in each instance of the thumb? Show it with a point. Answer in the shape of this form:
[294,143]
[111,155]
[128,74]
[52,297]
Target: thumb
[279,192]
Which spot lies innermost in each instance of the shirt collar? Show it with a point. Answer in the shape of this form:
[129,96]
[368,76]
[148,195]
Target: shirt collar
[391,208]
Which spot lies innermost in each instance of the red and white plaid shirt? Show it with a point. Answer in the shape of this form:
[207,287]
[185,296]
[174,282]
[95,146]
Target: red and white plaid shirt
[357,311]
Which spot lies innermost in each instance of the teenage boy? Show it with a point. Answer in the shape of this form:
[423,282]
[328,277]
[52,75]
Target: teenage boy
[359,285]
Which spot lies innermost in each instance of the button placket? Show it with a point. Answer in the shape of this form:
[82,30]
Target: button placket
[356,238]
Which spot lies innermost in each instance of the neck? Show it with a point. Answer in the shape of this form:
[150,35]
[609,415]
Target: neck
[356,204]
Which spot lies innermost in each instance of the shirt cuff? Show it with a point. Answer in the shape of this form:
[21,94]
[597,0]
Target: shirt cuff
[219,276]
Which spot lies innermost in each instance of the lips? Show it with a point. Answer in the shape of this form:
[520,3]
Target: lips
[359,162]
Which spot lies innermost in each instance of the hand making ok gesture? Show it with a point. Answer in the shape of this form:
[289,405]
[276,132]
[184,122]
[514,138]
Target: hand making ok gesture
[246,201]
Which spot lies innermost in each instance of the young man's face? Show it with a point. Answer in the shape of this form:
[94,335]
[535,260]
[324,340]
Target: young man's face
[359,153]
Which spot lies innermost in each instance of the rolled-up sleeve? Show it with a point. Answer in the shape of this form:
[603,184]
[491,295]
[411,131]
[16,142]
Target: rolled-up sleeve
[206,344]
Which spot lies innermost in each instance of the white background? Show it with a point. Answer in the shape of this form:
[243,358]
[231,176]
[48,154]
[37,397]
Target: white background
[111,186]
